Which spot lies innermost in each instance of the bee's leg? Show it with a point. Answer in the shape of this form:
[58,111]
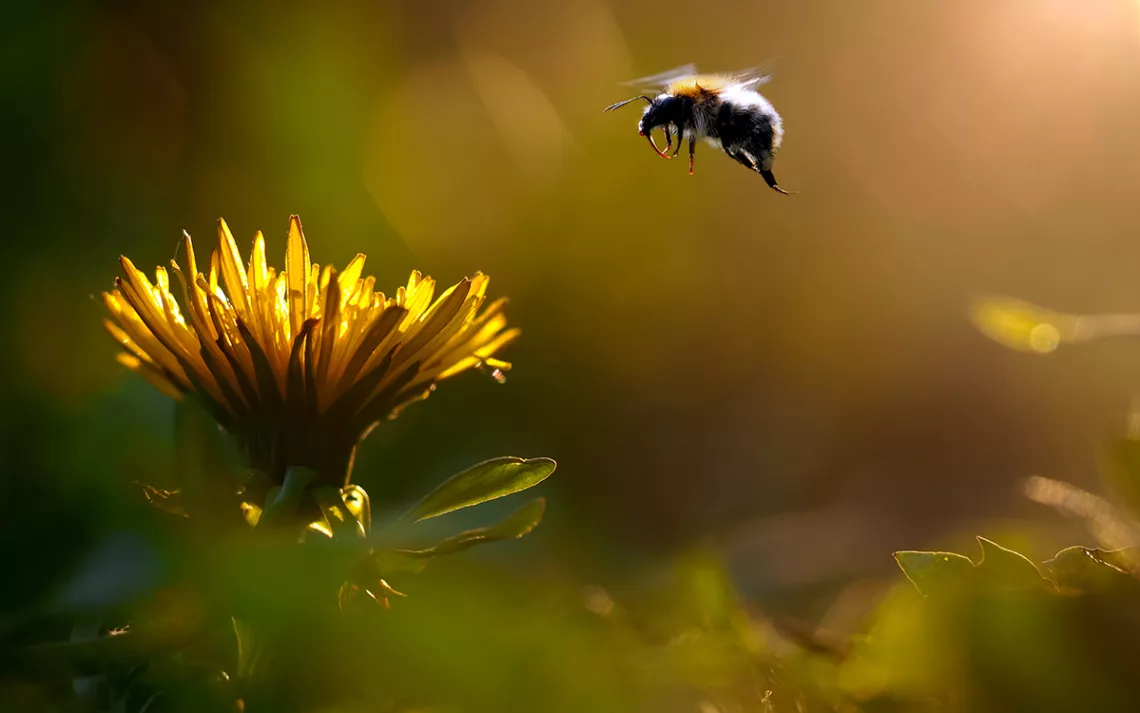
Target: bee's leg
[742,158]
[764,167]
[771,181]
[680,140]
[668,138]
[692,151]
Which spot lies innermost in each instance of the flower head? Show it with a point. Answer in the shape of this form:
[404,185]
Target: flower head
[299,365]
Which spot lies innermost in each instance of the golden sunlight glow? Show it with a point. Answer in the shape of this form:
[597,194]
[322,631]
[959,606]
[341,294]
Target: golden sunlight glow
[1026,327]
[299,364]
[1023,326]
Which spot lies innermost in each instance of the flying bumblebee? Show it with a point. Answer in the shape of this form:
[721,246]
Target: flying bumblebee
[723,109]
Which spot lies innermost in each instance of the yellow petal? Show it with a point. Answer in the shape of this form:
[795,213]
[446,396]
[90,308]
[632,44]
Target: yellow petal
[475,338]
[330,324]
[479,283]
[143,305]
[141,335]
[233,277]
[458,367]
[417,300]
[498,343]
[437,346]
[138,282]
[125,341]
[191,263]
[195,299]
[220,374]
[364,295]
[235,350]
[349,276]
[150,373]
[258,272]
[312,289]
[440,315]
[213,277]
[258,281]
[297,269]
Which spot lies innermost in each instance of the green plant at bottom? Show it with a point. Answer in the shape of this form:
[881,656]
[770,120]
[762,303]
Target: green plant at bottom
[1004,633]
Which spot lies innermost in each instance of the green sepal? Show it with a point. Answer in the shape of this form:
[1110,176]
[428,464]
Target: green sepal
[282,501]
[341,520]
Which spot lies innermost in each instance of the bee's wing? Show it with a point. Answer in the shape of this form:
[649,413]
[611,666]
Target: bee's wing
[657,81]
[753,80]
[755,76]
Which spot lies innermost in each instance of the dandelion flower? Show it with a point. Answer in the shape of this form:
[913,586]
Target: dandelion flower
[299,365]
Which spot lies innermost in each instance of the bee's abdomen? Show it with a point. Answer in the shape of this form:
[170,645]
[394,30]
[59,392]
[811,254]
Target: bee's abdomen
[746,127]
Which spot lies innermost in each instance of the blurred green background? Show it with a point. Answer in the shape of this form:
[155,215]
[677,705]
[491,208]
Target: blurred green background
[793,379]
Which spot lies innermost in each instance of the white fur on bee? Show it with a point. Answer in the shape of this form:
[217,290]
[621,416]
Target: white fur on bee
[737,95]
[700,129]
[742,96]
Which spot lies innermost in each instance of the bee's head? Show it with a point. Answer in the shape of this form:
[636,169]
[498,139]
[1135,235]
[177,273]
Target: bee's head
[662,111]
[665,110]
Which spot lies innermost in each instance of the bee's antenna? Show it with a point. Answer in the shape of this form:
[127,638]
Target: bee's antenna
[611,107]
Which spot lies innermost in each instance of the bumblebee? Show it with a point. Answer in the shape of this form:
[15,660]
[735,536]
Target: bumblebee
[723,109]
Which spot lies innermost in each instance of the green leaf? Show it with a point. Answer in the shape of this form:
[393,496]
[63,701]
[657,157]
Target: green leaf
[1126,559]
[518,524]
[1007,569]
[1084,569]
[488,480]
[936,572]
